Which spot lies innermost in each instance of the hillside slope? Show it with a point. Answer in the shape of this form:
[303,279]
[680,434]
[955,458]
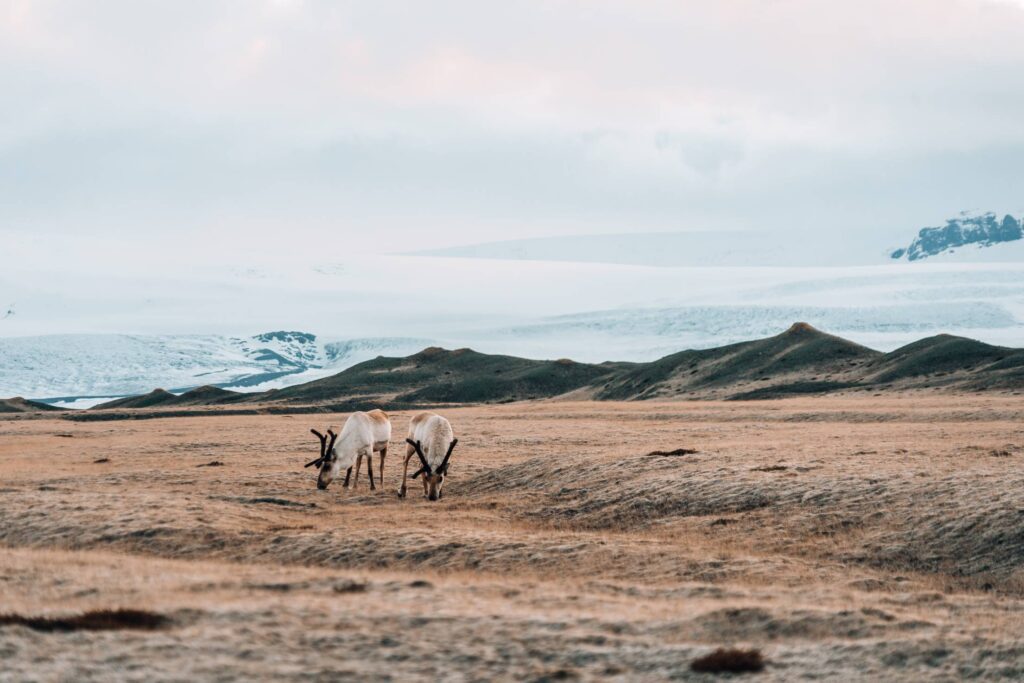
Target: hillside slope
[948,360]
[22,405]
[153,399]
[437,375]
[800,360]
[160,398]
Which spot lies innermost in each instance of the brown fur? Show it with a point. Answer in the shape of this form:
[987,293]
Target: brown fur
[419,419]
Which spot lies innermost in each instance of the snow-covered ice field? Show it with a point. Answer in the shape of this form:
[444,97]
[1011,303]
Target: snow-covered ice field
[77,333]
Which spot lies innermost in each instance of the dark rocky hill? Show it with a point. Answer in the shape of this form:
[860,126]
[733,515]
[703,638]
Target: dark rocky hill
[159,398]
[23,405]
[948,360]
[800,361]
[802,355]
[437,375]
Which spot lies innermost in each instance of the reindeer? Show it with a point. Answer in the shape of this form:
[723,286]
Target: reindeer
[430,437]
[362,435]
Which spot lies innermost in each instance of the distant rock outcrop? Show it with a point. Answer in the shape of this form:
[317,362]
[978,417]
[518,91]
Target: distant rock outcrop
[982,230]
[286,337]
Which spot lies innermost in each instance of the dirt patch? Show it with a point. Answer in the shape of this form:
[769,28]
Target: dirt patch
[266,500]
[95,620]
[350,587]
[676,452]
[729,660]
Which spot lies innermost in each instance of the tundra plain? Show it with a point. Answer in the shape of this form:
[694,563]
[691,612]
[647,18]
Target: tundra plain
[846,538]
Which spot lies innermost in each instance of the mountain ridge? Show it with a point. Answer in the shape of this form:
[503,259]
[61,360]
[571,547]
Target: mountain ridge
[801,360]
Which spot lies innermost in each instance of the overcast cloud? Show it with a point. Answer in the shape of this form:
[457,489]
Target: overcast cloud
[273,127]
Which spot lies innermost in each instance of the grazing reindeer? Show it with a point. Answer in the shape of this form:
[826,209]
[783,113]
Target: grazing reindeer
[362,435]
[430,437]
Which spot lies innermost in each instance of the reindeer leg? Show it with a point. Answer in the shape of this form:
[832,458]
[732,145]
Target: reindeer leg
[409,452]
[348,475]
[383,454]
[369,469]
[359,464]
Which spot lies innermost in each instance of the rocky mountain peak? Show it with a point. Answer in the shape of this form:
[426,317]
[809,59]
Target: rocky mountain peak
[983,230]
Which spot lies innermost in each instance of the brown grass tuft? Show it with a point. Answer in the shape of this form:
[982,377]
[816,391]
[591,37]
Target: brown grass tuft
[729,660]
[678,451]
[350,587]
[94,620]
[557,675]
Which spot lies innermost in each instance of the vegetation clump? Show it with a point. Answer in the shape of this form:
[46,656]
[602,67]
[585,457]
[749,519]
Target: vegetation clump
[93,620]
[729,660]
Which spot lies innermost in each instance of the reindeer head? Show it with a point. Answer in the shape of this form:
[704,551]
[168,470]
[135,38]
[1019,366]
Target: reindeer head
[433,479]
[328,460]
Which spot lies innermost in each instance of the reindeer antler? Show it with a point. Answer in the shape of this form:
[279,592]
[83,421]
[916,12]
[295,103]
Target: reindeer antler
[330,446]
[423,458]
[443,469]
[323,448]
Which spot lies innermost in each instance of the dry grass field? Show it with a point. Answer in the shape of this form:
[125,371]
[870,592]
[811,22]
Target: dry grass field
[874,538]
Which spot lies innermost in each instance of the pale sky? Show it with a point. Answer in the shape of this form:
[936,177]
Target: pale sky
[230,166]
[281,126]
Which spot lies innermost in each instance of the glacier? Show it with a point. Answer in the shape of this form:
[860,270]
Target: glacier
[84,333]
[72,369]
